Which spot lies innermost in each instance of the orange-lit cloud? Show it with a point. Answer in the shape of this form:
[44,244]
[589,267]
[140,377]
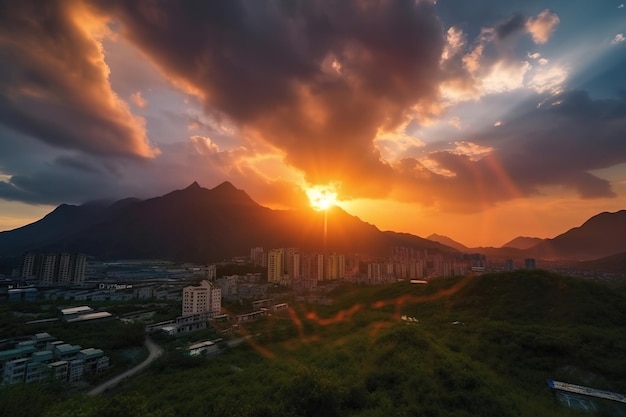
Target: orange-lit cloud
[276,97]
[56,88]
[320,87]
[542,26]
[138,99]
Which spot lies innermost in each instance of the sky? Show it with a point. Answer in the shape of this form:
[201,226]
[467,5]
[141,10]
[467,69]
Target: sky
[481,120]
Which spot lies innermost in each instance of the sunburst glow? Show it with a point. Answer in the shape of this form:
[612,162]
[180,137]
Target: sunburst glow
[322,197]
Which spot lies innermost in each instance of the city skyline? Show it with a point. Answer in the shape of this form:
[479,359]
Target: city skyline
[482,121]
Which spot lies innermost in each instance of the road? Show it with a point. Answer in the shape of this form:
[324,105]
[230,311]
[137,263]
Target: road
[154,351]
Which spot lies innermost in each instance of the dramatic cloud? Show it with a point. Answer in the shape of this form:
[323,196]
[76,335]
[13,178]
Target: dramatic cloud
[491,64]
[318,80]
[557,144]
[381,98]
[54,81]
[513,25]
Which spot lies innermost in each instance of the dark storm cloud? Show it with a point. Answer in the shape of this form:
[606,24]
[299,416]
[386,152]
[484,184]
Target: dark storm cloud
[77,163]
[317,79]
[558,143]
[514,24]
[564,139]
[54,186]
[53,81]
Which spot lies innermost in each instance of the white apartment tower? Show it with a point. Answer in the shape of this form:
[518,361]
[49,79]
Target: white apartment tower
[204,298]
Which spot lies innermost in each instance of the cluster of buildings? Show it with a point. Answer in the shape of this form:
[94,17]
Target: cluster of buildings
[288,266]
[412,264]
[200,303]
[98,281]
[242,287]
[53,268]
[96,292]
[43,358]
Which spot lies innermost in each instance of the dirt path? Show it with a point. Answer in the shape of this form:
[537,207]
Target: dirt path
[154,352]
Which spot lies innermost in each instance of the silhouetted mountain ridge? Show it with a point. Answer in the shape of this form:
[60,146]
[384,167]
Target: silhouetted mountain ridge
[199,224]
[602,235]
[445,240]
[523,242]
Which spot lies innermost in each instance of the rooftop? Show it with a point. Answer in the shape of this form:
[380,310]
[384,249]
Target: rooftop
[76,310]
[91,316]
[66,349]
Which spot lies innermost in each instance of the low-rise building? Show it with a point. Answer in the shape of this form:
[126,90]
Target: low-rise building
[43,358]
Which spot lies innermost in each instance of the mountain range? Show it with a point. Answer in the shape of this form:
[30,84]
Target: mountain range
[602,236]
[523,242]
[201,225]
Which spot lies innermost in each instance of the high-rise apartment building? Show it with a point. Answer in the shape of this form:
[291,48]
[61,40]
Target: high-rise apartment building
[27,269]
[334,266]
[63,268]
[374,271]
[292,265]
[78,262]
[45,268]
[54,268]
[257,256]
[206,297]
[275,266]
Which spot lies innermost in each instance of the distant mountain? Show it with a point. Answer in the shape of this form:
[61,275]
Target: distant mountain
[523,242]
[445,240]
[613,264]
[600,236]
[200,225]
[62,222]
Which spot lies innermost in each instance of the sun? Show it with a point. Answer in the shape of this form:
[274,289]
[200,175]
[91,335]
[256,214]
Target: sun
[322,197]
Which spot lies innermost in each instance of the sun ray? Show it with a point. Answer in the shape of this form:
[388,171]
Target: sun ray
[322,197]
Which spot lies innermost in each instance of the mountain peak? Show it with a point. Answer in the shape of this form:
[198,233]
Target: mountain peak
[226,192]
[445,240]
[194,186]
[225,186]
[523,242]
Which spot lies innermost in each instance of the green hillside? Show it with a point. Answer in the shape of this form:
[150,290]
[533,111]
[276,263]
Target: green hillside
[472,346]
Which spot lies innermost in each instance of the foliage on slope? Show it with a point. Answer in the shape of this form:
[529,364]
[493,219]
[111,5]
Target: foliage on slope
[478,346]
